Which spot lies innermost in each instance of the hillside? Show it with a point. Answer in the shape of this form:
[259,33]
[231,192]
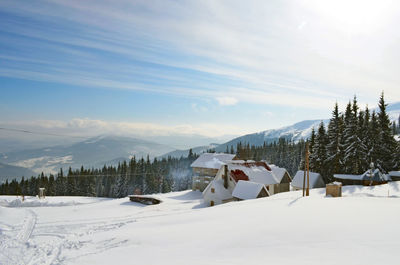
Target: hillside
[10,172]
[94,152]
[282,229]
[185,153]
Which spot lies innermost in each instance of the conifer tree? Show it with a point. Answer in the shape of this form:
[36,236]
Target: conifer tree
[387,146]
[353,146]
[335,155]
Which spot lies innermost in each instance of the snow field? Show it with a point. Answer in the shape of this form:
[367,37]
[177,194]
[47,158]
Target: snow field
[359,228]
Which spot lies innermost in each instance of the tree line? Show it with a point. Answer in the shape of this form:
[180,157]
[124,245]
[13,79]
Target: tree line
[135,176]
[347,145]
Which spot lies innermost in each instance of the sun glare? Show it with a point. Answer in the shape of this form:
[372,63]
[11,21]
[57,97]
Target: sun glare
[356,16]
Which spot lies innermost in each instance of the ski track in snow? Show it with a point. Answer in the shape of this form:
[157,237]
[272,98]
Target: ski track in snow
[43,242]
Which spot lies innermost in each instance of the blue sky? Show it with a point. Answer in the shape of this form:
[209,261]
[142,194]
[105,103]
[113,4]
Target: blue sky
[211,68]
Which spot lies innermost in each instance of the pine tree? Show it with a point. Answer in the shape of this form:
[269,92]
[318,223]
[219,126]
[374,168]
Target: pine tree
[387,144]
[311,143]
[335,155]
[319,154]
[353,146]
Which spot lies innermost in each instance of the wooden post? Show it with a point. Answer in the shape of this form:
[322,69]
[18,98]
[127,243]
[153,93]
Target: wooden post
[308,171]
[304,179]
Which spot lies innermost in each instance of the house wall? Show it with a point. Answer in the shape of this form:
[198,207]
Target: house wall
[262,194]
[208,196]
[204,171]
[201,182]
[395,178]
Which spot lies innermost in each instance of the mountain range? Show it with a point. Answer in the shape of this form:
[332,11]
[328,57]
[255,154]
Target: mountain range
[97,151]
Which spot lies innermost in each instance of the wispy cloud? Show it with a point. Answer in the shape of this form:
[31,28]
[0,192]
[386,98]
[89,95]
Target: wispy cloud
[227,101]
[84,127]
[207,49]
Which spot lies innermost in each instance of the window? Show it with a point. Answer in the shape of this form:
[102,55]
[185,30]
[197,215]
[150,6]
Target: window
[212,190]
[211,203]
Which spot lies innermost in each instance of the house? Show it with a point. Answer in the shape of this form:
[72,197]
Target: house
[370,177]
[316,180]
[394,175]
[283,177]
[220,190]
[247,190]
[206,166]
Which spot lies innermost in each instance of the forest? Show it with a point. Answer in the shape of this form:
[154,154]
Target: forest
[346,145]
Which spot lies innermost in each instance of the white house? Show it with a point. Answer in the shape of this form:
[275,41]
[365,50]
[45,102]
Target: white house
[316,180]
[206,166]
[221,188]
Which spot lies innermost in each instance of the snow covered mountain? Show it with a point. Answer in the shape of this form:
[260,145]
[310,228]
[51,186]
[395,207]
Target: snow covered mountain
[293,132]
[94,152]
[185,153]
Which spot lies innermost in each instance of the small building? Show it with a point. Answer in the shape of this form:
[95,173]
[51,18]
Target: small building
[334,189]
[316,180]
[247,190]
[394,175]
[206,166]
[220,190]
[369,178]
[283,177]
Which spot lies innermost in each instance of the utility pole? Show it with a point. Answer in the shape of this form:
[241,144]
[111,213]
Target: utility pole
[308,171]
[304,178]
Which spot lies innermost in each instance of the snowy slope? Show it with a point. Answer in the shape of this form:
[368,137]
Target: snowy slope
[196,150]
[359,228]
[295,132]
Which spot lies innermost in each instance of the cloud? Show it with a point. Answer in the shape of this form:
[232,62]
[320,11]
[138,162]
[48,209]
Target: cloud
[227,101]
[165,47]
[84,127]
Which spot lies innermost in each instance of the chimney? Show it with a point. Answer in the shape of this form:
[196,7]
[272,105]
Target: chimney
[226,176]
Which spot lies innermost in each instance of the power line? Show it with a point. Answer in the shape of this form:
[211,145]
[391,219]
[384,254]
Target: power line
[40,133]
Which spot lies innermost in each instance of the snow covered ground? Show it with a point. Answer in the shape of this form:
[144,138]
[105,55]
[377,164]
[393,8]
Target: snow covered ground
[359,228]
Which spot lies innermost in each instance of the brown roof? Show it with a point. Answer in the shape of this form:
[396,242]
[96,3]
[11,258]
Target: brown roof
[238,174]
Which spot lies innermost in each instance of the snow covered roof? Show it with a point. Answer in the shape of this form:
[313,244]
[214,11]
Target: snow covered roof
[375,176]
[220,190]
[347,176]
[279,172]
[394,173]
[212,160]
[316,180]
[258,172]
[247,190]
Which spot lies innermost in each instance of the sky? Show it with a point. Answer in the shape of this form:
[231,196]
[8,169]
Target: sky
[210,68]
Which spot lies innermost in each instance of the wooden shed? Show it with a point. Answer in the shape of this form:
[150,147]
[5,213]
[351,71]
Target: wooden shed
[334,189]
[316,180]
[394,175]
[369,178]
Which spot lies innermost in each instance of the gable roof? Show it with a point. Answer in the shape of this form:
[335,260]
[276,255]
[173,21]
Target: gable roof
[258,172]
[279,172]
[220,191]
[212,160]
[376,176]
[316,180]
[246,190]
